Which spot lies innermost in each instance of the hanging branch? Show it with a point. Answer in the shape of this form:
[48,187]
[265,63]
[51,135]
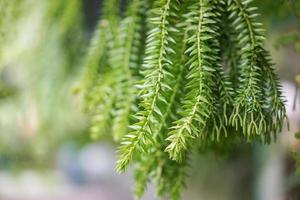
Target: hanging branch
[126,61]
[249,113]
[205,80]
[197,106]
[156,66]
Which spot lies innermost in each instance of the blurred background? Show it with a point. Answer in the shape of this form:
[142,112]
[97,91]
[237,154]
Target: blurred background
[45,148]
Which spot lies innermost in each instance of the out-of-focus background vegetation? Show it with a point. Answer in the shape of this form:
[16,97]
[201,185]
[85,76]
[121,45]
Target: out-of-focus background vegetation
[45,149]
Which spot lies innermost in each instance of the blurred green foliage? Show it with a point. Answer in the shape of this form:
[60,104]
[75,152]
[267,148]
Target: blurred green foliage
[40,59]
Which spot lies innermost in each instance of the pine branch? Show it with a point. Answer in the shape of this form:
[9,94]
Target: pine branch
[274,104]
[157,163]
[218,124]
[156,65]
[174,97]
[95,56]
[98,84]
[126,61]
[249,103]
[197,104]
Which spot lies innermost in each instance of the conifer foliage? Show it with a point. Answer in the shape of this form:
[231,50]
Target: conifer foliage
[166,76]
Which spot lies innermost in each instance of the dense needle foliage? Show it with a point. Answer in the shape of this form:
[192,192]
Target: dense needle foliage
[168,76]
